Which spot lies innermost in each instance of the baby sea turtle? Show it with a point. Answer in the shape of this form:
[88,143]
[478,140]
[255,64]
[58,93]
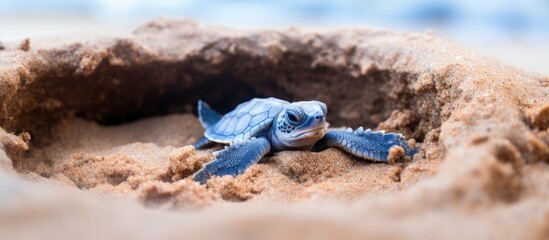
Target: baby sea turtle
[262,125]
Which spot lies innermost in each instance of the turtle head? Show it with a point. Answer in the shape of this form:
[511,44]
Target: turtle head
[300,125]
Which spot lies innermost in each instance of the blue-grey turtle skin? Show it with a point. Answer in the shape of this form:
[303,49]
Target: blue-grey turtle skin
[261,125]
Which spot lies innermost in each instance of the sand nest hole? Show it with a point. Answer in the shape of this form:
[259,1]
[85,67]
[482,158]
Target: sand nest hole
[116,116]
[122,120]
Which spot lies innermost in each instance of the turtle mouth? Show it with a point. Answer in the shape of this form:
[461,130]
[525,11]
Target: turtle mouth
[313,132]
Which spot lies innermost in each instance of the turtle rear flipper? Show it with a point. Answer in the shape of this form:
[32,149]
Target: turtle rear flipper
[202,143]
[206,115]
[365,144]
[234,159]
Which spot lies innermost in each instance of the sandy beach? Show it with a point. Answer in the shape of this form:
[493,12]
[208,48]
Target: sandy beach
[97,134]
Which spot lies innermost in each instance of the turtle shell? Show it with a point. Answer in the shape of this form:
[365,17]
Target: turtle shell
[246,120]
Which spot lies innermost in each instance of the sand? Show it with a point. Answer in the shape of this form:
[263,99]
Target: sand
[96,135]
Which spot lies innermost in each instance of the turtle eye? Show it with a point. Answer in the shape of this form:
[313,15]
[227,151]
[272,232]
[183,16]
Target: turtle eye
[293,117]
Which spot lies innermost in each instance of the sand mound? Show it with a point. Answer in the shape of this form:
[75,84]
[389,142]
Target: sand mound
[112,119]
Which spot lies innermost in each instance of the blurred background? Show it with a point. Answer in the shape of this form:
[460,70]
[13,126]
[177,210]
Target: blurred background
[515,32]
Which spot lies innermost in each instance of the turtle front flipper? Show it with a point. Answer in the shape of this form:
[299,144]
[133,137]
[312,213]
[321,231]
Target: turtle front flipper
[365,144]
[234,159]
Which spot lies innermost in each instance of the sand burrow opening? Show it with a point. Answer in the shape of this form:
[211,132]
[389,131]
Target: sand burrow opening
[115,93]
[108,126]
